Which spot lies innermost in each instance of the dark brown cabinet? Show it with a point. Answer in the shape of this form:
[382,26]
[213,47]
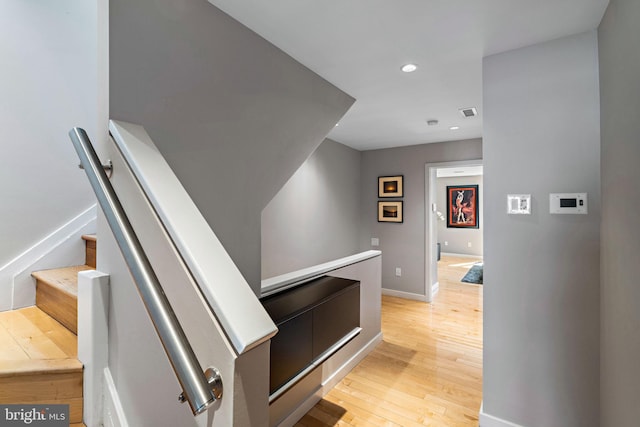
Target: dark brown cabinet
[311,318]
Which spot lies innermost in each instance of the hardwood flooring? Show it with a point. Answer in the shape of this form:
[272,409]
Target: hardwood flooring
[428,369]
[38,361]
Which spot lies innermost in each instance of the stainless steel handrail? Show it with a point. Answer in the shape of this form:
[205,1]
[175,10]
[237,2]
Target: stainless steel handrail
[200,389]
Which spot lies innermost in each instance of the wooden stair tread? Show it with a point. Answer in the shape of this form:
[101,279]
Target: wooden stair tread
[65,279]
[57,294]
[31,335]
[39,346]
[17,368]
[38,361]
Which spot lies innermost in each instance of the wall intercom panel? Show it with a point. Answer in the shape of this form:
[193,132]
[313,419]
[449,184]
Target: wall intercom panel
[568,203]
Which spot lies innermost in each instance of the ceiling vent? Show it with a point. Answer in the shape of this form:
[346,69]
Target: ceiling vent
[468,112]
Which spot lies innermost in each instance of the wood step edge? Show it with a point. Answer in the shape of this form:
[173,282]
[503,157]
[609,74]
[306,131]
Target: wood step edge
[15,368]
[64,279]
[90,237]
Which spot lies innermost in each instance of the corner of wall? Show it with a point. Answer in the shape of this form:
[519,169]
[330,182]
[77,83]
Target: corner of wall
[487,420]
[60,248]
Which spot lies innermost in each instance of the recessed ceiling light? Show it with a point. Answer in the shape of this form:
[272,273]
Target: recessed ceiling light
[454,127]
[409,68]
[337,124]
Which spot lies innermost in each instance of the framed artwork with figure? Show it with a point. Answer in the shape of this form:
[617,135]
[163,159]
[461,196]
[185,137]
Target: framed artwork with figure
[462,206]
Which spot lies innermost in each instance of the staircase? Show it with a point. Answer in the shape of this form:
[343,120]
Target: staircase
[39,344]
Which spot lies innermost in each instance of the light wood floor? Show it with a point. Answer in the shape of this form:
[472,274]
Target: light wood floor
[428,369]
[29,334]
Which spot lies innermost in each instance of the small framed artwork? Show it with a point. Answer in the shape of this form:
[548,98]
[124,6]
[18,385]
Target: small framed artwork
[390,211]
[462,206]
[390,186]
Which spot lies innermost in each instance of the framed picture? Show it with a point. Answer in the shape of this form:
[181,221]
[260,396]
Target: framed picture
[462,206]
[390,211]
[390,186]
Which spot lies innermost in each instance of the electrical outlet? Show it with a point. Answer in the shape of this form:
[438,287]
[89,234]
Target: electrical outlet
[446,243]
[375,241]
[468,244]
[398,271]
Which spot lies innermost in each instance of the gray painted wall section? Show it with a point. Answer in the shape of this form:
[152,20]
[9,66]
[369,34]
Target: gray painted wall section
[619,34]
[233,115]
[315,216]
[541,292]
[458,238]
[403,245]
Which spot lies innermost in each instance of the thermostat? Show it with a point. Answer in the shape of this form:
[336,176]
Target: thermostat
[568,203]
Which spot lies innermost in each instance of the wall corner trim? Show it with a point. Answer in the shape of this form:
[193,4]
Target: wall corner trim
[487,420]
[435,288]
[93,341]
[53,250]
[113,411]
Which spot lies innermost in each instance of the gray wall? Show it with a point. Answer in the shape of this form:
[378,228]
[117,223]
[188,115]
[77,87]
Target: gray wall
[234,116]
[458,238]
[619,34]
[541,293]
[403,245]
[315,216]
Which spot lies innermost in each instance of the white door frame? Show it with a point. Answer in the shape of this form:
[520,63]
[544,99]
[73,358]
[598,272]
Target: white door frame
[431,223]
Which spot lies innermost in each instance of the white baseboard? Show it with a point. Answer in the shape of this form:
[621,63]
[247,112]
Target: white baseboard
[62,247]
[113,412]
[487,420]
[435,288]
[330,383]
[460,255]
[405,295]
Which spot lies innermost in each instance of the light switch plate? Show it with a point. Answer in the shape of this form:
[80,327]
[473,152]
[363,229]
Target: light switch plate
[519,204]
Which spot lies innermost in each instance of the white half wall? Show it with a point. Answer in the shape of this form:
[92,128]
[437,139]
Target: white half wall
[93,342]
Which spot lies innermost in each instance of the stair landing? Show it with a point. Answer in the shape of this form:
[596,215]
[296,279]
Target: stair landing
[38,357]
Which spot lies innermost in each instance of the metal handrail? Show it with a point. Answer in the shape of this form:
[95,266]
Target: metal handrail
[200,389]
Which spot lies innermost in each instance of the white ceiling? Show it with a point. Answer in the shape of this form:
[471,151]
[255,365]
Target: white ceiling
[360,45]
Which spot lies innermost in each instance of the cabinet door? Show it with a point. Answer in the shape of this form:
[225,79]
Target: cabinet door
[334,319]
[291,350]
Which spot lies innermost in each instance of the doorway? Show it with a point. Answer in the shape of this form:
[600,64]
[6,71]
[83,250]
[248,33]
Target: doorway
[435,218]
